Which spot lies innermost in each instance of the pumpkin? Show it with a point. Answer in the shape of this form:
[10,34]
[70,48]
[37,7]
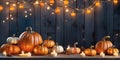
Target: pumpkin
[10,49]
[29,39]
[112,50]
[49,43]
[90,51]
[40,50]
[73,50]
[103,45]
[12,40]
[58,48]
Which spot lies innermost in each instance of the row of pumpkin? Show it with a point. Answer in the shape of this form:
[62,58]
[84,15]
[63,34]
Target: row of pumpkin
[31,42]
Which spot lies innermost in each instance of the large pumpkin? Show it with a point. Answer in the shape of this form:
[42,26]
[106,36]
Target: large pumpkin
[73,50]
[103,45]
[40,50]
[90,51]
[49,43]
[29,39]
[10,49]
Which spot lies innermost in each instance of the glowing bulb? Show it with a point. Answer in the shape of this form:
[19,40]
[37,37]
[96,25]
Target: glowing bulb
[10,15]
[26,16]
[7,18]
[7,3]
[14,5]
[57,10]
[97,4]
[51,2]
[3,21]
[36,2]
[88,11]
[1,7]
[61,0]
[25,11]
[21,6]
[67,10]
[115,1]
[53,13]
[48,7]
[12,18]
[73,14]
[12,8]
[30,9]
[30,14]
[42,4]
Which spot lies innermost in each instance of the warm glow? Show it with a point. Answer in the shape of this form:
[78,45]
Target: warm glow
[73,14]
[48,7]
[51,2]
[115,1]
[14,5]
[97,4]
[42,4]
[57,10]
[12,8]
[21,6]
[67,10]
[66,2]
[7,3]
[1,7]
[36,2]
[88,11]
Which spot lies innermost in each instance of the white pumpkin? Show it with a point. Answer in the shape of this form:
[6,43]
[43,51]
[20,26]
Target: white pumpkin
[12,40]
[58,48]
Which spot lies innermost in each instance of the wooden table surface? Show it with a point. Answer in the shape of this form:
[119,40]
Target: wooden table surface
[61,57]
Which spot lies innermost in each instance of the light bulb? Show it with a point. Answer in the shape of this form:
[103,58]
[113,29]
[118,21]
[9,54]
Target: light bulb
[14,5]
[3,21]
[12,18]
[48,7]
[97,4]
[67,10]
[25,11]
[36,2]
[53,13]
[88,11]
[30,14]
[30,9]
[7,3]
[7,18]
[26,16]
[115,1]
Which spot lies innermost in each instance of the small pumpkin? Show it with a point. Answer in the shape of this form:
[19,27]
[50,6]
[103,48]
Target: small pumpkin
[90,51]
[12,40]
[10,49]
[40,50]
[58,48]
[49,43]
[103,45]
[73,50]
[112,50]
[29,39]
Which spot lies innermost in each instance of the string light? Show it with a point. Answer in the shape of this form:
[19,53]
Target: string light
[21,6]
[12,18]
[53,13]
[10,15]
[1,7]
[42,4]
[66,2]
[12,8]
[115,1]
[51,2]
[25,11]
[57,10]
[14,5]
[7,18]
[3,21]
[48,7]
[97,4]
[36,2]
[30,14]
[67,10]
[30,9]
[73,14]
[7,3]
[88,11]
[26,16]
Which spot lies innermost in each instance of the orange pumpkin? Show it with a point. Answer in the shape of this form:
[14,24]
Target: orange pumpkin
[90,51]
[103,45]
[73,50]
[112,50]
[49,43]
[10,49]
[40,50]
[29,39]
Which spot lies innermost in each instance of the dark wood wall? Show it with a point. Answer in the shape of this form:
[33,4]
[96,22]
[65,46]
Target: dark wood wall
[86,29]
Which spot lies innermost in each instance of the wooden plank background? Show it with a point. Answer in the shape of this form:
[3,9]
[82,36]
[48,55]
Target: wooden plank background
[87,29]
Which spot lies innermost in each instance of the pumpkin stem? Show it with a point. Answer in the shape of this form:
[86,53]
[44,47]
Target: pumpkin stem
[76,43]
[49,37]
[92,47]
[29,29]
[106,38]
[13,35]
